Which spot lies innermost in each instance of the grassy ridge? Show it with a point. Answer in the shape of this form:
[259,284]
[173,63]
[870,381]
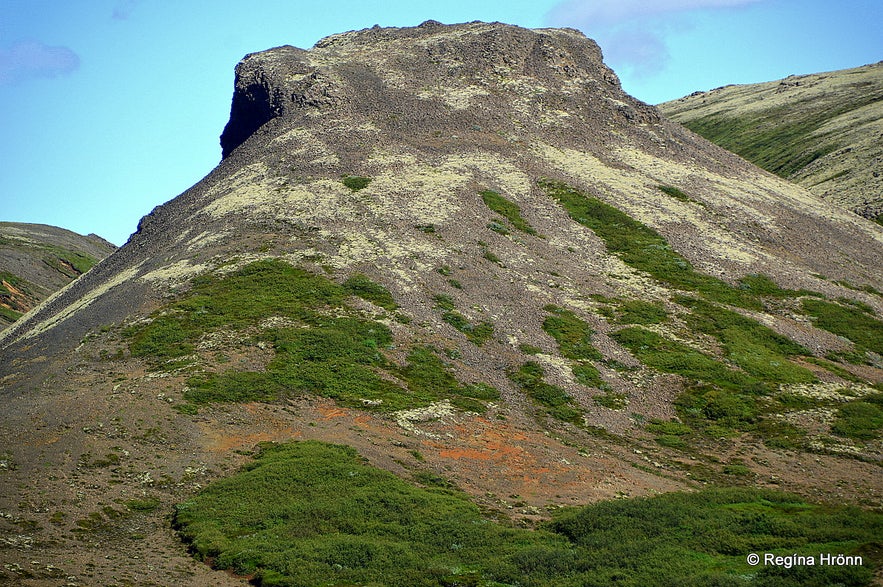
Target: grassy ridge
[310,513]
[783,139]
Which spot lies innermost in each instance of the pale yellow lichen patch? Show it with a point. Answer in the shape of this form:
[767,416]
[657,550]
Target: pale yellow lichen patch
[324,199]
[828,391]
[82,302]
[175,272]
[824,444]
[205,238]
[507,177]
[636,193]
[408,419]
[631,283]
[559,365]
[245,189]
[457,98]
[301,143]
[392,250]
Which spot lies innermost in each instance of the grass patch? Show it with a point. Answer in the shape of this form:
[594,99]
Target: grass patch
[643,248]
[587,375]
[507,209]
[529,349]
[612,400]
[356,182]
[308,509]
[573,335]
[10,314]
[640,312]
[478,334]
[335,353]
[555,400]
[144,506]
[861,419]
[761,285]
[676,193]
[718,399]
[669,356]
[258,290]
[359,285]
[428,377]
[847,321]
[755,348]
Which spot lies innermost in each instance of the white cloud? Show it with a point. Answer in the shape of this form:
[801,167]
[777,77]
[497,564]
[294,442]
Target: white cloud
[607,12]
[32,59]
[632,33]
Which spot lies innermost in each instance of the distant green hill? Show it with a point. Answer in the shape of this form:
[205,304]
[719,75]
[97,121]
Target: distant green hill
[36,260]
[821,131]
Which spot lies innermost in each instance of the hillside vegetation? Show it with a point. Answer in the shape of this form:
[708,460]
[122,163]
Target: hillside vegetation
[821,130]
[36,260]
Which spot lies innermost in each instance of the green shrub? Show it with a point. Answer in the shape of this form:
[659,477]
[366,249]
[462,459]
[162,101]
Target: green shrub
[337,356]
[360,285]
[749,344]
[587,375]
[308,509]
[675,193]
[761,285]
[478,334]
[554,399]
[507,209]
[641,312]
[574,336]
[611,400]
[862,419]
[670,356]
[669,428]
[356,182]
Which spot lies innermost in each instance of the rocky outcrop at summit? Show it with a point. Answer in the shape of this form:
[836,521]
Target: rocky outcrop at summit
[431,77]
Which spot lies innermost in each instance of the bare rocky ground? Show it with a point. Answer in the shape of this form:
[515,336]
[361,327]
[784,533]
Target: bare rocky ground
[94,455]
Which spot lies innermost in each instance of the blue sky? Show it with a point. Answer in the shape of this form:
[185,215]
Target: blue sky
[111,107]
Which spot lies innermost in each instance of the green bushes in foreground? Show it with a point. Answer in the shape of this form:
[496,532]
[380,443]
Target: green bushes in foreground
[310,513]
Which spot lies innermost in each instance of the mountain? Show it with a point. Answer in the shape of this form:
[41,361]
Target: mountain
[821,131]
[462,280]
[36,260]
